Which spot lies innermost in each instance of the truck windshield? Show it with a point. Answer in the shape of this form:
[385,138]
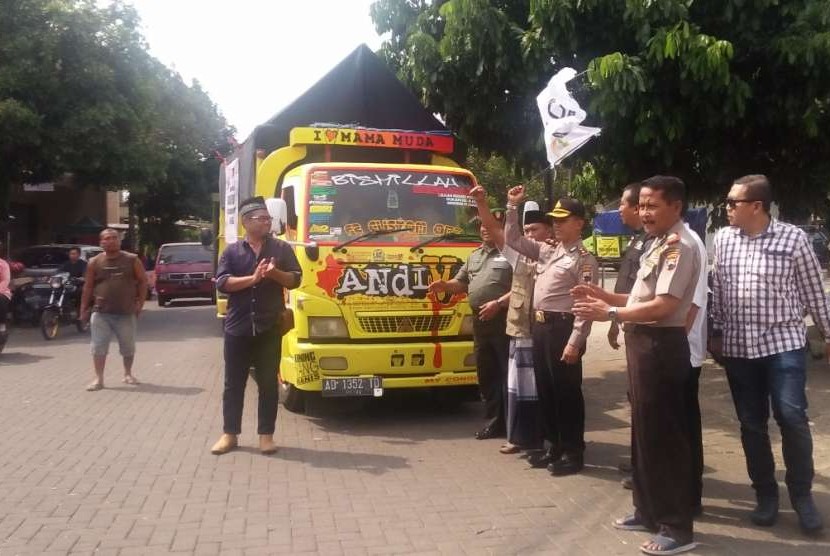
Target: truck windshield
[346,203]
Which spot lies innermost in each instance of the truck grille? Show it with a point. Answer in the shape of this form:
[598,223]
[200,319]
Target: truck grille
[188,276]
[403,324]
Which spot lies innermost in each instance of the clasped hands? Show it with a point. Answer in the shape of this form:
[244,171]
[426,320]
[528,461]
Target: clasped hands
[263,268]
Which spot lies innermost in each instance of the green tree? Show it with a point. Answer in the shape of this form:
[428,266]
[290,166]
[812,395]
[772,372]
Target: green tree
[80,96]
[706,90]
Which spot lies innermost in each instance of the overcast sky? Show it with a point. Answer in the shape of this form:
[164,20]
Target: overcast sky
[254,56]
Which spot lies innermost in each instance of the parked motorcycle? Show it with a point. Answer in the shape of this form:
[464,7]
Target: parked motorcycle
[63,306]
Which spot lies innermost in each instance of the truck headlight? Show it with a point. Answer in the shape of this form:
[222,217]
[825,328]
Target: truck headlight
[466,326]
[327,327]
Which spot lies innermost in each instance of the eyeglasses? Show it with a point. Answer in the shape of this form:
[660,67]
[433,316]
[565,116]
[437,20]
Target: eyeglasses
[262,219]
[732,203]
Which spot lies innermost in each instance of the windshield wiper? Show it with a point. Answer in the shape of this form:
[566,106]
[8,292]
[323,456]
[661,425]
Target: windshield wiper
[442,237]
[367,235]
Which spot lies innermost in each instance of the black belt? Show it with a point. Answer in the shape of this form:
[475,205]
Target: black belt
[551,316]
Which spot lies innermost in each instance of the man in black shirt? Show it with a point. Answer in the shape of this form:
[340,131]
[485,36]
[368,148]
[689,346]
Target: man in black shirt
[254,272]
[75,266]
[630,216]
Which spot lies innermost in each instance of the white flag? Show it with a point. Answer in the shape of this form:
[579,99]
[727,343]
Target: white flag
[561,116]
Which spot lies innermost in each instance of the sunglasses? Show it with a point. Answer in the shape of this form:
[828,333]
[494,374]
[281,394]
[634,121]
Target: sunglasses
[732,203]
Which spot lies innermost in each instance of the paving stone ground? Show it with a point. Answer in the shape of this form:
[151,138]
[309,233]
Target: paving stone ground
[128,470]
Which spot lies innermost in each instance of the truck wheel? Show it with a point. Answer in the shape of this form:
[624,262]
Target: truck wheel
[292,397]
[49,324]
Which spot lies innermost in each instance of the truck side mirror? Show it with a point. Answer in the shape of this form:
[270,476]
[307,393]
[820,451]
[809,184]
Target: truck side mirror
[278,211]
[206,237]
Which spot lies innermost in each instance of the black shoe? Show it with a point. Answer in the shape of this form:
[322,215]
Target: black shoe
[489,432]
[566,465]
[808,515]
[765,513]
[627,483]
[697,511]
[540,460]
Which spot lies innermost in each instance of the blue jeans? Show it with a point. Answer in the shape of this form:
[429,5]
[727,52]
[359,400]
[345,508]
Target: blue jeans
[779,379]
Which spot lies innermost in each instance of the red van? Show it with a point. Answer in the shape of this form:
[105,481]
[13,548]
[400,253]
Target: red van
[184,270]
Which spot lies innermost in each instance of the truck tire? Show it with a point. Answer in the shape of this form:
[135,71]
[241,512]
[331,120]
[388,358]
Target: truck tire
[293,399]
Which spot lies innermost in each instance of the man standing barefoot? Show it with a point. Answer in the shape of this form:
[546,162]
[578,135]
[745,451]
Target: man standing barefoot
[114,290]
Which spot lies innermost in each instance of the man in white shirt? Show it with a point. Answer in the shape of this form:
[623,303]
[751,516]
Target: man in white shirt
[696,330]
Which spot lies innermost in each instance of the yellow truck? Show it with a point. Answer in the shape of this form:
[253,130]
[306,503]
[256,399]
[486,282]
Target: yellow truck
[374,216]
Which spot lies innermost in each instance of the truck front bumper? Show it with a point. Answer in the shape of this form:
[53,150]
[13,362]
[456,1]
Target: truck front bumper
[409,365]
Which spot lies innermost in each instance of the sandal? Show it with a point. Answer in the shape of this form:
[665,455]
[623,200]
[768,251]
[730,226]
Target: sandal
[510,449]
[629,523]
[94,387]
[666,545]
[129,379]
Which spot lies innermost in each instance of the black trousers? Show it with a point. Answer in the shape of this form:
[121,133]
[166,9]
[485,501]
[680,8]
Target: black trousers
[695,435]
[262,352]
[5,305]
[658,374]
[559,385]
[491,347]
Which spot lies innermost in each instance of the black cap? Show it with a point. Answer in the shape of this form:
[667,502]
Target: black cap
[567,206]
[536,217]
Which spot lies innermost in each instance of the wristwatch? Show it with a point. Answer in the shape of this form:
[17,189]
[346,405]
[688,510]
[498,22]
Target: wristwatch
[613,316]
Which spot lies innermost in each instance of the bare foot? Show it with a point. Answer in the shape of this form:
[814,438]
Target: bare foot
[95,386]
[129,379]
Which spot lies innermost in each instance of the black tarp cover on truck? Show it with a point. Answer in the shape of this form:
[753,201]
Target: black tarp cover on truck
[360,91]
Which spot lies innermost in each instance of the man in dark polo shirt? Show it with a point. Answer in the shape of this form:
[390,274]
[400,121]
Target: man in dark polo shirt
[630,264]
[487,277]
[254,273]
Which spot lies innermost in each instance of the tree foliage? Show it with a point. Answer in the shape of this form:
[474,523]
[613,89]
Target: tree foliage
[706,90]
[81,96]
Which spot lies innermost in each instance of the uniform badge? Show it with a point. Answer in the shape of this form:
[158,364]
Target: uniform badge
[587,273]
[672,256]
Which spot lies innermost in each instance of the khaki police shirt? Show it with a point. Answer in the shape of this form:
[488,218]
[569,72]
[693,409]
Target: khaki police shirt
[487,274]
[558,270]
[669,268]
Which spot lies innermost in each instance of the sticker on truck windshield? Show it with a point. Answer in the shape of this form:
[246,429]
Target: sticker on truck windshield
[415,204]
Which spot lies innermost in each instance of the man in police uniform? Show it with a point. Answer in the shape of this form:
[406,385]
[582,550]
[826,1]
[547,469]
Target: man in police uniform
[657,350]
[486,277]
[558,337]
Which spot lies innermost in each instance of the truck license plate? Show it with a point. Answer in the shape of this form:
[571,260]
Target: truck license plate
[371,386]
